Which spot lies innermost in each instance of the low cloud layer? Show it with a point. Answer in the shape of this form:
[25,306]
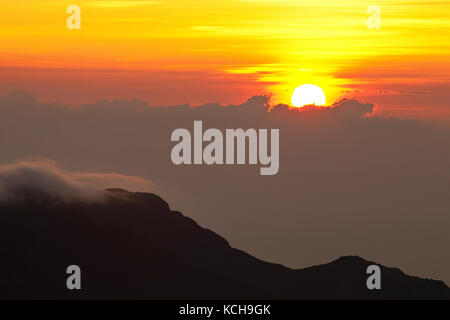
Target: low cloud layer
[23,180]
[348,183]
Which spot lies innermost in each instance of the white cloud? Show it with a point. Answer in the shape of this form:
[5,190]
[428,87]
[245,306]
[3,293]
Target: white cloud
[24,179]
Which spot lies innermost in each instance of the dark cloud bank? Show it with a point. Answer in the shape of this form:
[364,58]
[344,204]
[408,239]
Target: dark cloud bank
[348,183]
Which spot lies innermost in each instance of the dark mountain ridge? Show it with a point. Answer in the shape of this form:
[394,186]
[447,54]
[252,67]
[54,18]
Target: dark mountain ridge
[132,246]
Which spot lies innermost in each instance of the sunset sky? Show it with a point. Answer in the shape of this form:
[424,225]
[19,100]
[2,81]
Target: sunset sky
[352,180]
[198,51]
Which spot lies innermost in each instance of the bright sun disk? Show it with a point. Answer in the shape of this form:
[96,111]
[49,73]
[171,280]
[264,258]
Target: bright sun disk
[308,94]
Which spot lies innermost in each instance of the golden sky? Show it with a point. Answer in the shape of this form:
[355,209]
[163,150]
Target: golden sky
[201,51]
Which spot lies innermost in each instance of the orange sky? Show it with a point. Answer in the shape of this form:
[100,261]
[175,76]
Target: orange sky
[180,51]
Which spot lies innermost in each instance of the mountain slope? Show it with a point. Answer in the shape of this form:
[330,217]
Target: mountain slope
[131,245]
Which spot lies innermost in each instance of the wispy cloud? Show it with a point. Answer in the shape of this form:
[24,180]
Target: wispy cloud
[206,28]
[45,177]
[115,4]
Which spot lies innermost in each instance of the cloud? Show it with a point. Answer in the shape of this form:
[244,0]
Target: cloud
[42,179]
[344,109]
[119,4]
[348,183]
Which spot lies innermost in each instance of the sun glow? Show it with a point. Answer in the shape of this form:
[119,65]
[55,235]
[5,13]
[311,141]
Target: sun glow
[308,94]
[212,50]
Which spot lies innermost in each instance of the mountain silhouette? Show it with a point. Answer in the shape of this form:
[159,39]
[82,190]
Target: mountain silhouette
[132,246]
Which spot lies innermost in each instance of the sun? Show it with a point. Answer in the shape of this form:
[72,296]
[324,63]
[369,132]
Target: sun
[308,94]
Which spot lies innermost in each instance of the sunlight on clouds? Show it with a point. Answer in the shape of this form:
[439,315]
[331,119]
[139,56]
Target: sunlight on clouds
[277,43]
[115,4]
[206,28]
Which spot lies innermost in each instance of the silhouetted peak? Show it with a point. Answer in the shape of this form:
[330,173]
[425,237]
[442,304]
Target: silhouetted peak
[149,199]
[350,259]
[117,192]
[152,251]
